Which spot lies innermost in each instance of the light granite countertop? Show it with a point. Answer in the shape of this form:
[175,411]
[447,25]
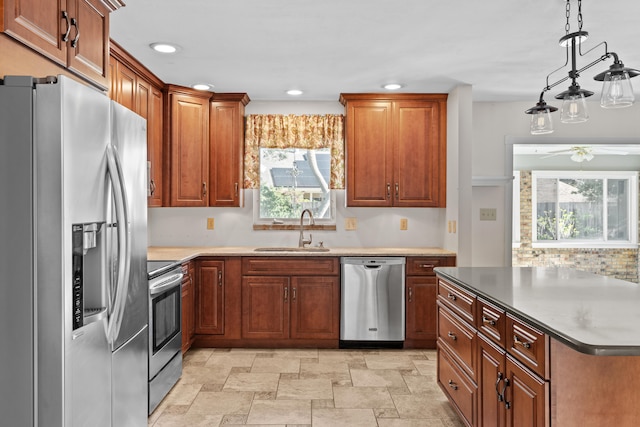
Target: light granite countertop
[185,253]
[590,313]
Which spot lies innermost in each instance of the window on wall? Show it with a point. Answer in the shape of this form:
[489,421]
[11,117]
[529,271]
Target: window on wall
[584,209]
[294,179]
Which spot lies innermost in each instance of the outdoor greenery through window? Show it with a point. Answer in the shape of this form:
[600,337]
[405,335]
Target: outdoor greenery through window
[294,179]
[584,208]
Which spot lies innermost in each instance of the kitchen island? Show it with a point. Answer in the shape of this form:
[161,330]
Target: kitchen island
[535,346]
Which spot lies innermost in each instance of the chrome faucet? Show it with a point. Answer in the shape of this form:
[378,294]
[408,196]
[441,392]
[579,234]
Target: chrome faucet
[302,242]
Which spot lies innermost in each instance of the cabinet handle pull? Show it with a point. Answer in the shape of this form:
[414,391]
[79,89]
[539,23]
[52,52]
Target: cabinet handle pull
[204,189]
[397,191]
[426,266]
[219,278]
[388,190]
[410,294]
[500,395]
[488,321]
[451,296]
[452,336]
[507,404]
[236,188]
[286,293]
[152,187]
[517,341]
[453,385]
[294,294]
[65,35]
[74,23]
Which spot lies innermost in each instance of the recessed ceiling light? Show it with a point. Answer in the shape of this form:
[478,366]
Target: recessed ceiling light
[202,86]
[392,86]
[294,92]
[164,47]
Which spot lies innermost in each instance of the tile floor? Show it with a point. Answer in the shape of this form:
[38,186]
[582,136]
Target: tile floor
[386,388]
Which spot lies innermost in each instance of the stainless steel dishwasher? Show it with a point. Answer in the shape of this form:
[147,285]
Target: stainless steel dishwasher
[372,305]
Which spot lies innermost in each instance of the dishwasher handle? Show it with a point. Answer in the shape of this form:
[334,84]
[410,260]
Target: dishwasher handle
[372,266]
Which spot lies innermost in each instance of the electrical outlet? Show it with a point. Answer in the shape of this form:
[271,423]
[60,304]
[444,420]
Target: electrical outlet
[350,224]
[210,223]
[451,226]
[404,223]
[487,214]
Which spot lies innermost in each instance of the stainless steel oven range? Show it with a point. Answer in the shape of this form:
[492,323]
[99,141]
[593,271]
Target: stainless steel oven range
[165,335]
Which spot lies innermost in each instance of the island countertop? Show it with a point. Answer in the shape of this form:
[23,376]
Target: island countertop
[185,253]
[592,314]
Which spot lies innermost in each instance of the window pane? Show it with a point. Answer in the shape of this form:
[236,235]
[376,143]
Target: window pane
[292,180]
[617,209]
[546,191]
[580,204]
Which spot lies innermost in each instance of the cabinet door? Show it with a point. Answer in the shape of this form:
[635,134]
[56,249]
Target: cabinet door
[526,397]
[189,150]
[187,308]
[491,385]
[88,47]
[419,154]
[38,24]
[421,308]
[315,307]
[126,86]
[210,298]
[155,147]
[226,147]
[369,156]
[265,307]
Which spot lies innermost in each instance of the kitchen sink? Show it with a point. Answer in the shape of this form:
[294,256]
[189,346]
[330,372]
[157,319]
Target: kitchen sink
[291,249]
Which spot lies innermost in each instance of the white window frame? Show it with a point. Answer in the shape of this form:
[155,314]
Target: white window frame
[275,222]
[632,176]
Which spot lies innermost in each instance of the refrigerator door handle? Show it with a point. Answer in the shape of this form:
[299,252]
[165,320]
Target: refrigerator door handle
[114,169]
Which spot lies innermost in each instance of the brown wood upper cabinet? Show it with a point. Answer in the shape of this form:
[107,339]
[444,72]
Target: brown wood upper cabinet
[226,148]
[396,149]
[187,115]
[206,140]
[135,87]
[72,33]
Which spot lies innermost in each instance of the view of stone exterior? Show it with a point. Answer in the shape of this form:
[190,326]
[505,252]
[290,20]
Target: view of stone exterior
[621,263]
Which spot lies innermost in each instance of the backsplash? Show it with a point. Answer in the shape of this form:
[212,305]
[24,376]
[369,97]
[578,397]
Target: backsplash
[376,227]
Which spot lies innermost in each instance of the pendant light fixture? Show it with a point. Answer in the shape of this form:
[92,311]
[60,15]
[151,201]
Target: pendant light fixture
[616,90]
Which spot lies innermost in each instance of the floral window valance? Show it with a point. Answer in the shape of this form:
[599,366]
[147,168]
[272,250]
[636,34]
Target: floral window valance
[291,131]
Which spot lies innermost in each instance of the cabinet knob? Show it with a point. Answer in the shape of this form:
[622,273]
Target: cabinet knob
[286,293]
[219,278]
[410,294]
[499,393]
[451,296]
[293,297]
[397,191]
[426,266]
[152,186]
[388,190]
[453,385]
[452,336]
[204,189]
[236,188]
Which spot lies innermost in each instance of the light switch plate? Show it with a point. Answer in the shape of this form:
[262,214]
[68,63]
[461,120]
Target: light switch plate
[210,223]
[404,223]
[487,214]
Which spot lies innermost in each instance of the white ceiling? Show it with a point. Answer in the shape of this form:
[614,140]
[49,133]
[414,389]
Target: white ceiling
[503,48]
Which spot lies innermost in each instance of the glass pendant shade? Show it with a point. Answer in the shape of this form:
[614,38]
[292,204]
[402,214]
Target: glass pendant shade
[541,122]
[616,90]
[574,109]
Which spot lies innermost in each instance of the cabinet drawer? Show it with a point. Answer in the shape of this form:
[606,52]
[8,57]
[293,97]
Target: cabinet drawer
[528,345]
[491,322]
[423,266]
[460,390]
[458,338]
[277,266]
[460,301]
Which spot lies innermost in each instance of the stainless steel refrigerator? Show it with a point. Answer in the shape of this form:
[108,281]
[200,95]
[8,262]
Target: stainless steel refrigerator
[73,243]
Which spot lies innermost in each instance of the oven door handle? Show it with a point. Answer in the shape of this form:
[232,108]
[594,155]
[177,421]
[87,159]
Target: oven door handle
[170,282]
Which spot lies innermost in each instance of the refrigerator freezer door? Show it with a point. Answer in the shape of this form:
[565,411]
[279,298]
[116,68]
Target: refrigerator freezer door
[129,394]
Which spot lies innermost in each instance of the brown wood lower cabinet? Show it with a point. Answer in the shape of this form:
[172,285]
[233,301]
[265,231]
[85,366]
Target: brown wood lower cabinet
[209,313]
[291,299]
[420,293]
[503,391]
[188,305]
